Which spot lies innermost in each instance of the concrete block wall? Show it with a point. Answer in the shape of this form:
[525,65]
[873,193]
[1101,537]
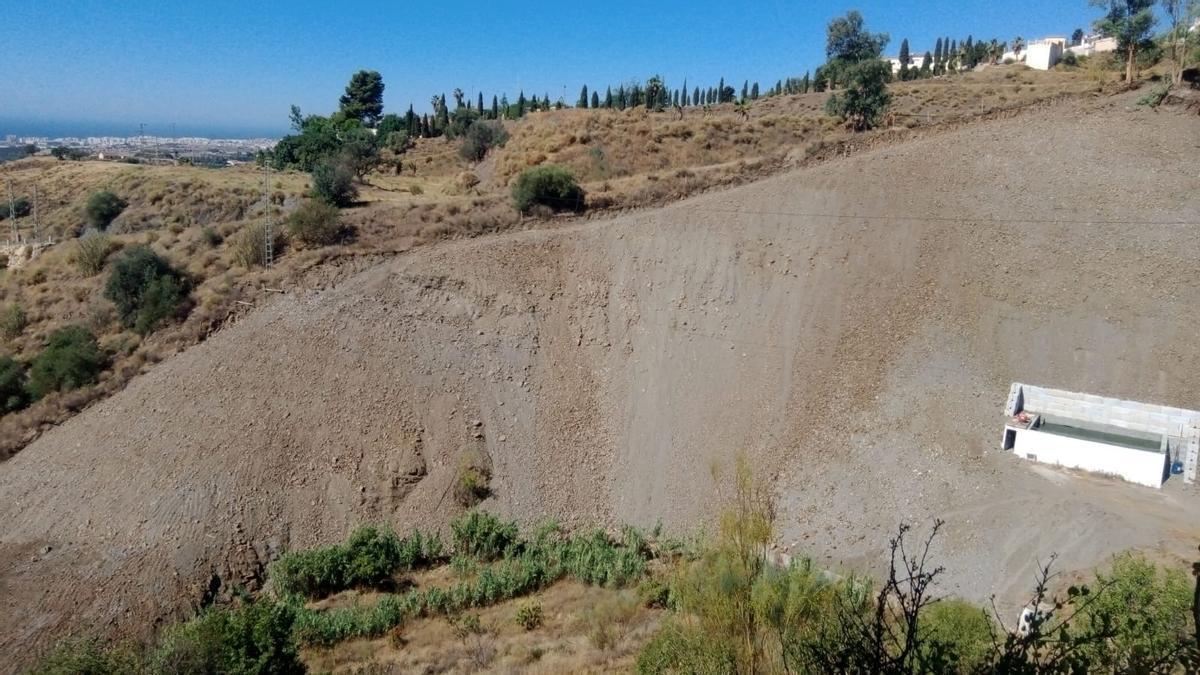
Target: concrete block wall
[1132,415]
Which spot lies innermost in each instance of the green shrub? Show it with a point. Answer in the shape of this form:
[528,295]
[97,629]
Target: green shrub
[550,186]
[253,637]
[529,615]
[315,223]
[481,137]
[1141,613]
[90,657]
[654,593]
[71,359]
[19,206]
[91,251]
[334,184]
[472,484]
[678,648]
[146,289]
[13,396]
[961,633]
[483,536]
[102,209]
[368,558]
[13,321]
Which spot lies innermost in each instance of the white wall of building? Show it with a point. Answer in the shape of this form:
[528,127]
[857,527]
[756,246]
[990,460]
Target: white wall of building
[1136,466]
[1043,55]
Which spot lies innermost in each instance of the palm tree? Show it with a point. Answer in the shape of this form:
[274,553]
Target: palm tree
[458,98]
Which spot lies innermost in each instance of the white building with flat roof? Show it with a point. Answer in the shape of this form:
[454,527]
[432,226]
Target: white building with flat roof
[1137,442]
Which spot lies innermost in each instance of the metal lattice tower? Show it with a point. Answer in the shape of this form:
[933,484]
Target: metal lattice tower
[269,244]
[12,211]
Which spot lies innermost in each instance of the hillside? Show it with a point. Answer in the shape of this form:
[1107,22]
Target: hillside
[852,326]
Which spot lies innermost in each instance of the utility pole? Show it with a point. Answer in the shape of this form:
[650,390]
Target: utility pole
[269,248]
[37,229]
[12,211]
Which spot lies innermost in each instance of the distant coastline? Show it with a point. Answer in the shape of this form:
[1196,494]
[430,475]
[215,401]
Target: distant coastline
[83,129]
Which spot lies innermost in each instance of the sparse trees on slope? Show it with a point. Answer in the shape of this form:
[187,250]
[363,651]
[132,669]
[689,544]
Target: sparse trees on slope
[363,100]
[1129,21]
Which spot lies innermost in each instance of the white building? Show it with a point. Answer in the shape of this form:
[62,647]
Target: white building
[916,61]
[1094,44]
[1131,440]
[1043,54]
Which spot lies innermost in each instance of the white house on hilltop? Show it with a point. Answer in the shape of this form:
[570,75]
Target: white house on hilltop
[916,61]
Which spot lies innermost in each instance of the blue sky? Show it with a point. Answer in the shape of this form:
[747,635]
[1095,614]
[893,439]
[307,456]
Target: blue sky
[237,65]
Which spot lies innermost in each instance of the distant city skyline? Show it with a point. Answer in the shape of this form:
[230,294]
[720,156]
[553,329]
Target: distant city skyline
[231,68]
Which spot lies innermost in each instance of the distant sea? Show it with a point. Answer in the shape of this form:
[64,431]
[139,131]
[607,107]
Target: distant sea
[83,129]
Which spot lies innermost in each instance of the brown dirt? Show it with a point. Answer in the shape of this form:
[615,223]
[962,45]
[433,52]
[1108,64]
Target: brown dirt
[853,327]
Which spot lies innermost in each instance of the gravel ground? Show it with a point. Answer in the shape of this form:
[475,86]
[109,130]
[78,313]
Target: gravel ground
[852,327]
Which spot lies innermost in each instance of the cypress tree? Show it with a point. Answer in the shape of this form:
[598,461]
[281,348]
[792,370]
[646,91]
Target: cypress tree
[495,108]
[412,122]
[595,100]
[937,54]
[696,97]
[608,99]
[926,65]
[754,92]
[745,90]
[683,94]
[721,90]
[806,83]
[521,104]
[583,97]
[779,87]
[443,118]
[481,104]
[905,57]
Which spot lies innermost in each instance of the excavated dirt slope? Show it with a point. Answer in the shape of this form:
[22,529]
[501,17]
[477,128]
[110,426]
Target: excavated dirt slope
[853,328]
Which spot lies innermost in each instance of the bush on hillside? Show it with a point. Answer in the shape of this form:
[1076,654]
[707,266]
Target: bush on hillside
[481,137]
[146,289]
[71,359]
[864,100]
[253,637]
[315,223]
[91,251]
[13,321]
[550,186]
[483,536]
[90,657]
[334,184]
[368,558]
[13,396]
[250,245]
[102,209]
[19,206]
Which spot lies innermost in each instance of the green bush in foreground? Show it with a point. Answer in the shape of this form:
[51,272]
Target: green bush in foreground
[71,359]
[252,637]
[146,289]
[483,536]
[91,657]
[550,186]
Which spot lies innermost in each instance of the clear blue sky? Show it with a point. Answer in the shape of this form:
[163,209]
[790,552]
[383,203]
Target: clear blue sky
[238,64]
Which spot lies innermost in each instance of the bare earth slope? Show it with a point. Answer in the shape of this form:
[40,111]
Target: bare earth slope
[852,327]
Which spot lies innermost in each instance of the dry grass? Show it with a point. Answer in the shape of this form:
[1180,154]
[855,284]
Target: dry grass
[559,644]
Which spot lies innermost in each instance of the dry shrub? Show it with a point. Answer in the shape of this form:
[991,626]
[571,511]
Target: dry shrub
[250,245]
[91,251]
[606,621]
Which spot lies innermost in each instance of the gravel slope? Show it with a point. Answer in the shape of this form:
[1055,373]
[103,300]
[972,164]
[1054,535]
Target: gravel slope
[852,327]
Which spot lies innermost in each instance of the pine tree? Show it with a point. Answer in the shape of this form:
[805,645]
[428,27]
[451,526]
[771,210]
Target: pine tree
[595,100]
[583,98]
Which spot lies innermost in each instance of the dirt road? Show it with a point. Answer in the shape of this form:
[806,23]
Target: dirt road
[852,327]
